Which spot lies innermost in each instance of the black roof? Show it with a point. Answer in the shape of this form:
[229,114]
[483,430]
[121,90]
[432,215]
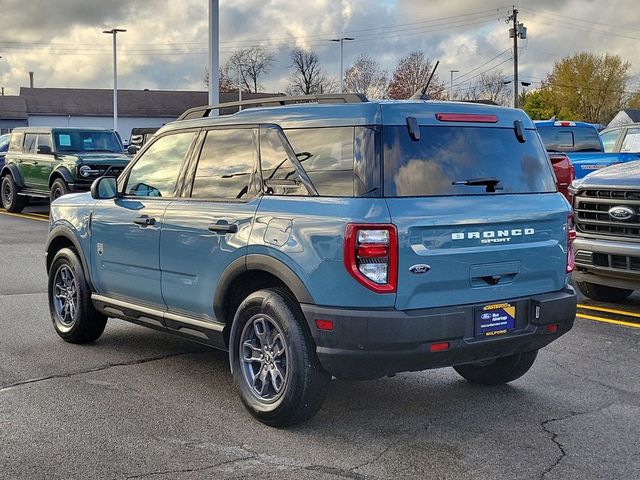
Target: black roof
[12,108]
[131,103]
[633,113]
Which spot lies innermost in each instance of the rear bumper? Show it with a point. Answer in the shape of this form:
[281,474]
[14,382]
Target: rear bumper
[374,343]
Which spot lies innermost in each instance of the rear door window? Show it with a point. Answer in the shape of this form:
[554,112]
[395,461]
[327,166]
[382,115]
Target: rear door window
[227,165]
[326,154]
[609,140]
[445,156]
[30,142]
[276,165]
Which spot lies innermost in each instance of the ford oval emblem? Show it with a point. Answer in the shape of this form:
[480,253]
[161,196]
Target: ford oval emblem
[621,213]
[486,316]
[419,269]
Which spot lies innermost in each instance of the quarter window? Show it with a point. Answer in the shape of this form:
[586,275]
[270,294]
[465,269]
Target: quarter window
[16,142]
[227,165]
[155,174]
[326,154]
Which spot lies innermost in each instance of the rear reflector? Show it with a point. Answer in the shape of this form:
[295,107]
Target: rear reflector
[326,325]
[466,117]
[553,328]
[571,236]
[439,347]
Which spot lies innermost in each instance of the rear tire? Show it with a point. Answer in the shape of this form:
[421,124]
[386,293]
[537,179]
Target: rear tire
[11,201]
[274,362]
[499,371]
[58,189]
[603,293]
[74,317]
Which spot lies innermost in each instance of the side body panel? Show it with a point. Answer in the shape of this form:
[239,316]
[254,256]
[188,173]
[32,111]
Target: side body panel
[585,163]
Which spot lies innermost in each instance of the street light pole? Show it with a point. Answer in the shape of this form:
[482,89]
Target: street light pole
[114,32]
[214,54]
[341,40]
[240,65]
[451,84]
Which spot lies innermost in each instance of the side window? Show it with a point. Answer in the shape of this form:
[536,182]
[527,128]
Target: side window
[631,141]
[16,142]
[44,140]
[609,140]
[155,173]
[326,154]
[30,143]
[227,164]
[276,165]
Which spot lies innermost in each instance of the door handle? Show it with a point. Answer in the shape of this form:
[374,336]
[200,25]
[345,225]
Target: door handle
[144,221]
[222,226]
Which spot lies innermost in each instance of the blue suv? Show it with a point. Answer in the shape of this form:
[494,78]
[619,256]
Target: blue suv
[326,236]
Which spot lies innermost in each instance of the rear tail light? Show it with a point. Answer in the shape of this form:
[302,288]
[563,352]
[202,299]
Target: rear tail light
[371,255]
[571,236]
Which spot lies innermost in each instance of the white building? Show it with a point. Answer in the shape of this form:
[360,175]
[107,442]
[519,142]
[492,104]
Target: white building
[93,108]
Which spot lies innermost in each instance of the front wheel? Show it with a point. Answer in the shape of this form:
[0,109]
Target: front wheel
[499,371]
[11,201]
[58,189]
[74,317]
[603,293]
[274,362]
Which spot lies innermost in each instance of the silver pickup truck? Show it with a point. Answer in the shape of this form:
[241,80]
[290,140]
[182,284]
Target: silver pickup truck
[607,220]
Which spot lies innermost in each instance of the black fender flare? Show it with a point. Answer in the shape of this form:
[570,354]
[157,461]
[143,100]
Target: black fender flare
[61,172]
[263,263]
[65,232]
[15,173]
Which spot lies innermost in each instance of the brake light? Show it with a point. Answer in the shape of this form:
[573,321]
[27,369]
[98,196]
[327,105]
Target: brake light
[564,124]
[466,117]
[571,236]
[371,255]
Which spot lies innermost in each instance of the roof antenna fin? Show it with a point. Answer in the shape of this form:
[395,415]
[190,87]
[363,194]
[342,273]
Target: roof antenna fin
[421,94]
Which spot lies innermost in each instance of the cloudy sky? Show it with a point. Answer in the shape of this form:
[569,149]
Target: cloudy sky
[165,46]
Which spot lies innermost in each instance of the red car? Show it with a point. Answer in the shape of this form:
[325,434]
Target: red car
[565,174]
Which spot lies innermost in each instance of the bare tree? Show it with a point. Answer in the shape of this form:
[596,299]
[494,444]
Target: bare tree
[253,63]
[306,76]
[412,74]
[225,82]
[366,76]
[488,86]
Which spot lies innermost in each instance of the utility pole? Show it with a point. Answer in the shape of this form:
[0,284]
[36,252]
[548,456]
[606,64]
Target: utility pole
[341,41]
[114,32]
[517,31]
[451,84]
[214,54]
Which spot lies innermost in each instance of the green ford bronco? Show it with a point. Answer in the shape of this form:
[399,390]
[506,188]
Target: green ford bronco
[51,162]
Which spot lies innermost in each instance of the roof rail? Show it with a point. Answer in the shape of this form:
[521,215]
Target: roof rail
[205,110]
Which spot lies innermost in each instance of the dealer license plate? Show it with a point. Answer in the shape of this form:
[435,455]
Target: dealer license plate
[495,319]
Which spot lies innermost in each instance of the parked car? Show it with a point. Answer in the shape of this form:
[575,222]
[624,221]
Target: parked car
[51,162]
[624,139]
[342,238]
[4,146]
[582,144]
[607,205]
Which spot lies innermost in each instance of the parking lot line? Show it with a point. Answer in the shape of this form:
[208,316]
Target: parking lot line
[32,216]
[607,320]
[610,310]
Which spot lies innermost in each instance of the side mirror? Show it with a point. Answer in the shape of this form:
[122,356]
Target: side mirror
[44,149]
[132,149]
[104,188]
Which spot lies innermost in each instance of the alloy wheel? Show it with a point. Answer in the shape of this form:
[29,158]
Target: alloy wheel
[264,358]
[65,295]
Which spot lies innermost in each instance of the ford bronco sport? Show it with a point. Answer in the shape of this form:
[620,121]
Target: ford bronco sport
[51,162]
[338,237]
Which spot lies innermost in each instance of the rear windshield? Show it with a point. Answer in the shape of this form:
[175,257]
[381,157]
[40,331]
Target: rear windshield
[449,160]
[570,139]
[86,141]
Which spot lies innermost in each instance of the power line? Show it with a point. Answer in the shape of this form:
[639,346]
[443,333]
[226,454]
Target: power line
[576,19]
[482,64]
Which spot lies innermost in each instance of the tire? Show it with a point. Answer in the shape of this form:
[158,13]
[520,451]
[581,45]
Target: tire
[79,321]
[58,189]
[11,201]
[603,293]
[499,371]
[280,379]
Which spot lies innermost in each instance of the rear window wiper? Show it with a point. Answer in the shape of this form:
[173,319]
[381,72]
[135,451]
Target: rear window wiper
[489,182]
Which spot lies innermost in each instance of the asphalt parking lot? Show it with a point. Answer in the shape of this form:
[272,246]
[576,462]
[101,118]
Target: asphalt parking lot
[142,404]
